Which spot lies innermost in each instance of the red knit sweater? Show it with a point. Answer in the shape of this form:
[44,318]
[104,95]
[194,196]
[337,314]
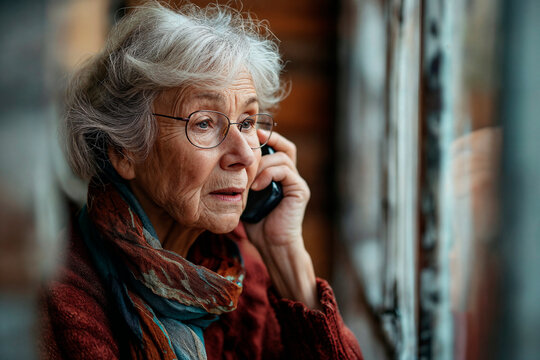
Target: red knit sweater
[80,322]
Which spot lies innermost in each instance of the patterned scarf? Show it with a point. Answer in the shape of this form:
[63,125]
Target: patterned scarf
[165,300]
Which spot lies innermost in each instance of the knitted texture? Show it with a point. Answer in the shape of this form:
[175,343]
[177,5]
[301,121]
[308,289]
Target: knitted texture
[80,322]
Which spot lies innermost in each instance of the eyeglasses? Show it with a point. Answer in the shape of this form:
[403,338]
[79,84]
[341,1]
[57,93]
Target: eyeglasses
[207,129]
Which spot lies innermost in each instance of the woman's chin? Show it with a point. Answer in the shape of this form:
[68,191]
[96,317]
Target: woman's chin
[225,224]
[224,230]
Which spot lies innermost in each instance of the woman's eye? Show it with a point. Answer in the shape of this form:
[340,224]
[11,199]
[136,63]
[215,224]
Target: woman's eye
[204,124]
[247,124]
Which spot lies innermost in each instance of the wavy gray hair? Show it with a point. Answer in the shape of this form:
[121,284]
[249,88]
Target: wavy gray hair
[153,48]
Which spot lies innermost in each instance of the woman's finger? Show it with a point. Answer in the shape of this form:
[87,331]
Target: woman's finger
[282,173]
[280,143]
[277,159]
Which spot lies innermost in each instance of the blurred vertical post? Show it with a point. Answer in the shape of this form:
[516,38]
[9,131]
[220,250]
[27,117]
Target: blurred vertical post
[29,199]
[378,152]
[519,246]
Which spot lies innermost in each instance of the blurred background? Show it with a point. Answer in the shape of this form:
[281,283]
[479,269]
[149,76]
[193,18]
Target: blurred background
[417,130]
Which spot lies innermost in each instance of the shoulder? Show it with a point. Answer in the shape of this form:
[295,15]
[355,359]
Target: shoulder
[75,308]
[76,280]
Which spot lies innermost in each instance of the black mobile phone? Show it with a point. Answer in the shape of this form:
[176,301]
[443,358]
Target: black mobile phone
[261,203]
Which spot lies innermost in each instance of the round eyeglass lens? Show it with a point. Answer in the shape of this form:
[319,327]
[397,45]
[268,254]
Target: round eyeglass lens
[207,129]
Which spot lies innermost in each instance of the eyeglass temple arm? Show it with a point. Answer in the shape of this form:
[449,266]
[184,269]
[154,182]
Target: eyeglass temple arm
[171,117]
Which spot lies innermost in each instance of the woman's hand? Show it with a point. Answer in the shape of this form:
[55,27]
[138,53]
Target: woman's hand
[283,226]
[475,172]
[278,236]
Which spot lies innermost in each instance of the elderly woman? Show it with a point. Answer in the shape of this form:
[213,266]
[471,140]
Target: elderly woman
[167,123]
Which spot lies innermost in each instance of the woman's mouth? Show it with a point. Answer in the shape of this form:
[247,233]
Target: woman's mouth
[228,194]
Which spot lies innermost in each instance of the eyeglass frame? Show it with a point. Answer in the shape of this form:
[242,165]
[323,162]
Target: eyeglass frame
[186,119]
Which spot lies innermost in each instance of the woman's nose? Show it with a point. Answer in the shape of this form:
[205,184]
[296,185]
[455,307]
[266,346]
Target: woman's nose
[238,153]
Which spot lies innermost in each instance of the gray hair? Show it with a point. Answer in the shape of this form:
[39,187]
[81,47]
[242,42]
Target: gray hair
[153,48]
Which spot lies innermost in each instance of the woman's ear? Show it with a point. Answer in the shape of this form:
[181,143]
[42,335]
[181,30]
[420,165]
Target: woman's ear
[121,163]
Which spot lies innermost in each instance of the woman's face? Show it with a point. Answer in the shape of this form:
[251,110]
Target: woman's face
[199,188]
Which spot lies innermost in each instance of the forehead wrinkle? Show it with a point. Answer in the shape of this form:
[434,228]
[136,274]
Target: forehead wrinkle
[196,99]
[213,96]
[171,100]
[220,99]
[217,99]
[179,101]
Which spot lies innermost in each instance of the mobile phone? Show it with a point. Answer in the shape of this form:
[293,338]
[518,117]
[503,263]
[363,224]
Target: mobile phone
[261,203]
